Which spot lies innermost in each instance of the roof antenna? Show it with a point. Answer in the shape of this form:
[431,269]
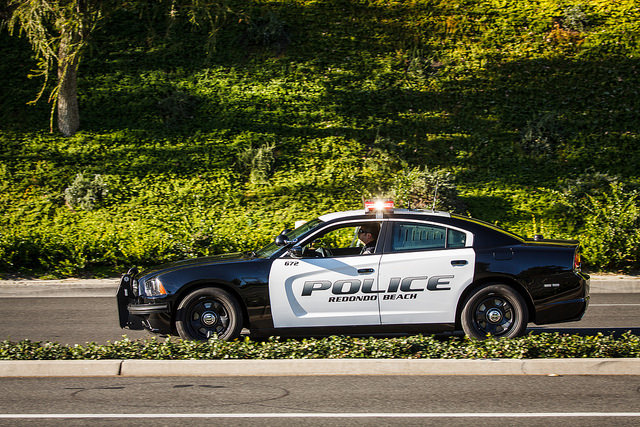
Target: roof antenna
[435,198]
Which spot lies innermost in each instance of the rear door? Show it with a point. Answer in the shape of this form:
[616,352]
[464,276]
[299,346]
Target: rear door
[423,271]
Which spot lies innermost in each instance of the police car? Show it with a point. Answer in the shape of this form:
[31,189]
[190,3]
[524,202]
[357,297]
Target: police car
[423,271]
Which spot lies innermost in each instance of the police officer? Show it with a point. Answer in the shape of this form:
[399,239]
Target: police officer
[368,234]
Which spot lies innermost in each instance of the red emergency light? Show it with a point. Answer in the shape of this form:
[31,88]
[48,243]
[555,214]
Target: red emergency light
[378,205]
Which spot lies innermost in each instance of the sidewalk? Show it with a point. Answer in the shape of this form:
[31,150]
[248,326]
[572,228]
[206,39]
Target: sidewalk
[600,284]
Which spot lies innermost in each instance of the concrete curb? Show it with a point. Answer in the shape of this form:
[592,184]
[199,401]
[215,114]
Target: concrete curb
[317,367]
[297,367]
[108,287]
[615,284]
[59,288]
[59,368]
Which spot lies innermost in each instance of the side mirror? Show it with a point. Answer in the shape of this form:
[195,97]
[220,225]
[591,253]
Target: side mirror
[296,251]
[281,239]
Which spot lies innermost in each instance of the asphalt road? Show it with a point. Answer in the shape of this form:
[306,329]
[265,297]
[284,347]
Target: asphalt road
[298,400]
[406,400]
[73,320]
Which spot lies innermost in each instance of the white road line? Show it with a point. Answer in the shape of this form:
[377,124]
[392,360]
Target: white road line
[337,415]
[614,305]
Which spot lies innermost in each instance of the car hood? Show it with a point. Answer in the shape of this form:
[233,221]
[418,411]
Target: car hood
[215,259]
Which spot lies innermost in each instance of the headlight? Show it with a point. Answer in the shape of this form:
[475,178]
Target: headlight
[153,288]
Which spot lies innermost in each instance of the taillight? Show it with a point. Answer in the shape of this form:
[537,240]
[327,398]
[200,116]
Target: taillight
[577,264]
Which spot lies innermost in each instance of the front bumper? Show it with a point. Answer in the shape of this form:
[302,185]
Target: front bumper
[131,313]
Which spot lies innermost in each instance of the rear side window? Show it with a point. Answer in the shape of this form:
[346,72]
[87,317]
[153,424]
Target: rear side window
[456,239]
[412,236]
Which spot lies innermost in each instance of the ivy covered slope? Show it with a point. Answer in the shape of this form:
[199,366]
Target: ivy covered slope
[524,112]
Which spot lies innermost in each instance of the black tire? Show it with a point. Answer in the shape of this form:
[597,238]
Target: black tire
[494,309]
[209,312]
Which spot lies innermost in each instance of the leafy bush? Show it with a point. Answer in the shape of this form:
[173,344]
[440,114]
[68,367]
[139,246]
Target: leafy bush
[545,345]
[541,137]
[612,229]
[608,216]
[84,193]
[427,189]
[576,17]
[258,161]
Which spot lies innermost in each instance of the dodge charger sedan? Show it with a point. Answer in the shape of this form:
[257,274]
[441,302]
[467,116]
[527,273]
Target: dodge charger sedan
[420,271]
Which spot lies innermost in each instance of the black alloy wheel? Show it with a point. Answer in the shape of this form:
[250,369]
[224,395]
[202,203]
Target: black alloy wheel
[209,313]
[494,309]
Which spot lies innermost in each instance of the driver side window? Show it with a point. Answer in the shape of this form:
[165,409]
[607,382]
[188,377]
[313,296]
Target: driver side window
[339,238]
[341,241]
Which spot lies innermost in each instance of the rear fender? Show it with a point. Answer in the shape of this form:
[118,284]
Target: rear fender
[509,281]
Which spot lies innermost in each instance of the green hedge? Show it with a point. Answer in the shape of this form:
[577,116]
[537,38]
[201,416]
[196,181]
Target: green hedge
[545,345]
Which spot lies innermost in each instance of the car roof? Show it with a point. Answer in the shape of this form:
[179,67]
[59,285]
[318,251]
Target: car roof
[485,234]
[360,212]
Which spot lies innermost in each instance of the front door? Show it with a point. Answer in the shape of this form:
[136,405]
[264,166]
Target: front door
[331,285]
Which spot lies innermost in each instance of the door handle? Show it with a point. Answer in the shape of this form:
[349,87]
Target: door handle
[365,270]
[459,262]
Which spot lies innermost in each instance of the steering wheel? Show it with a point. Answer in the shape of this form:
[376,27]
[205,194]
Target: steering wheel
[324,252]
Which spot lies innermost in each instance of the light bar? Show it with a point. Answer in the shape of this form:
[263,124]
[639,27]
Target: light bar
[378,205]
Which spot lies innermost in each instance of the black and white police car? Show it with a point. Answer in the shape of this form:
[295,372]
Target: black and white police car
[427,271]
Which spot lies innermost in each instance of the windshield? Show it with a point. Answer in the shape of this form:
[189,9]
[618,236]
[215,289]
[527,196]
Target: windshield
[272,248]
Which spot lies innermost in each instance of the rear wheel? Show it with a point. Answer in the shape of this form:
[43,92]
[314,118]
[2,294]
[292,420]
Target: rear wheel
[494,309]
[208,313]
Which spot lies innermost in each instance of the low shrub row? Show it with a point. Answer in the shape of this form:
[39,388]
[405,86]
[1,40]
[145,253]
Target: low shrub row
[544,345]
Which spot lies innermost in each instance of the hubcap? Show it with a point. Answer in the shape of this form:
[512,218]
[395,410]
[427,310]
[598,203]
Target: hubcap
[209,318]
[494,315]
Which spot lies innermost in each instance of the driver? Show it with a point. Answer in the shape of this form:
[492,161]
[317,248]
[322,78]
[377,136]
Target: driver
[368,234]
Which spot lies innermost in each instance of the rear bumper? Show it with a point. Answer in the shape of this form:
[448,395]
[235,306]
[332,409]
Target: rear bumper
[570,307]
[131,314]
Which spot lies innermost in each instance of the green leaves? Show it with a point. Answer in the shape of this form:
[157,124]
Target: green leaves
[305,107]
[85,193]
[544,345]
[612,228]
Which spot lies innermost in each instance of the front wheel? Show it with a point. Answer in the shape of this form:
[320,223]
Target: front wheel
[494,309]
[207,313]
